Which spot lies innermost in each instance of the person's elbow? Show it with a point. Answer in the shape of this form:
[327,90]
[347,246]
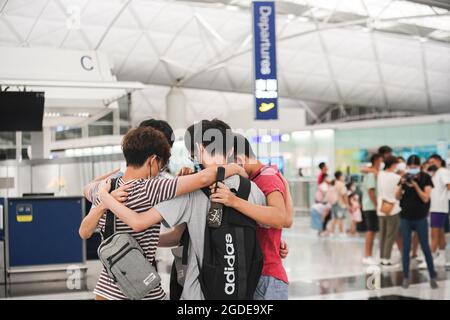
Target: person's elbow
[84,234]
[87,192]
[288,222]
[138,226]
[278,223]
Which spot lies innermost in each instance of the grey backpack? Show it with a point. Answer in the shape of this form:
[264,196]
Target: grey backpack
[125,261]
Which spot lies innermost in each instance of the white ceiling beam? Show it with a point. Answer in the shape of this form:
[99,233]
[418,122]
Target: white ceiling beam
[36,20]
[326,56]
[423,66]
[111,24]
[374,46]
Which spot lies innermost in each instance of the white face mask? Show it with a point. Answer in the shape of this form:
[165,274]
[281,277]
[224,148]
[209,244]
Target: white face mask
[381,166]
[401,166]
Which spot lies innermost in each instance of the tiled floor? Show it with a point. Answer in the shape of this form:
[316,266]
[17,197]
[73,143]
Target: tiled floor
[318,268]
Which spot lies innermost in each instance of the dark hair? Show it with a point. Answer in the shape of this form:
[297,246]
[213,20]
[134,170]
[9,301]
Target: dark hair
[322,165]
[390,161]
[338,175]
[162,126]
[141,143]
[375,157]
[413,160]
[436,157]
[384,149]
[400,158]
[242,146]
[215,135]
[352,195]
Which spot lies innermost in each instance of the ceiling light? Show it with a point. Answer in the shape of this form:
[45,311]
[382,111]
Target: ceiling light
[232,8]
[266,139]
[285,137]
[301,134]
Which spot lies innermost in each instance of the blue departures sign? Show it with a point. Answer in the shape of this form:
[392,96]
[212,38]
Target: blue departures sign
[266,85]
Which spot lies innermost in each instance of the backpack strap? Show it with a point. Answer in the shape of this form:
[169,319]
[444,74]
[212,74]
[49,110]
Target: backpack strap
[184,241]
[244,188]
[110,222]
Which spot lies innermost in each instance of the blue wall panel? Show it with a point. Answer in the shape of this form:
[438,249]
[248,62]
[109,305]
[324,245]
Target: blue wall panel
[51,237]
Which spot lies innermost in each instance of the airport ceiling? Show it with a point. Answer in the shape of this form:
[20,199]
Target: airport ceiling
[388,54]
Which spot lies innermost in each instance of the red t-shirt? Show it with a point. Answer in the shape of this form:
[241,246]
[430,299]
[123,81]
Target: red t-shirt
[320,178]
[268,179]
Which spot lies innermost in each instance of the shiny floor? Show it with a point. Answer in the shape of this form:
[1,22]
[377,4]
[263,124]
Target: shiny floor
[318,268]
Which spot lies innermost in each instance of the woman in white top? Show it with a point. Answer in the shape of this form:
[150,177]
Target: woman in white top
[388,208]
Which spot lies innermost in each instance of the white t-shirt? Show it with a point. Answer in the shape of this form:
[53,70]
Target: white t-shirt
[387,183]
[440,193]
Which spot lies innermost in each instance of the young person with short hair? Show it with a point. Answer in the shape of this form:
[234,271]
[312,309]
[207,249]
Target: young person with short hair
[439,208]
[414,194]
[273,283]
[339,210]
[388,209]
[323,171]
[369,207]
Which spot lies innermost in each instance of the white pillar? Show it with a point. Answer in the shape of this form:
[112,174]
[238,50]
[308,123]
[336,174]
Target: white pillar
[176,108]
[18,146]
[40,142]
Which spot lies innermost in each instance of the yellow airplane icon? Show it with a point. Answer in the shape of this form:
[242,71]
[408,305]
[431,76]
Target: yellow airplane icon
[264,107]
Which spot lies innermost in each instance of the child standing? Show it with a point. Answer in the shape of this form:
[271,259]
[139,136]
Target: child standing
[354,211]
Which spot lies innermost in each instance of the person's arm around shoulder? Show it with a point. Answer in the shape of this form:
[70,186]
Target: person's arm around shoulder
[289,204]
[206,177]
[89,190]
[90,222]
[137,222]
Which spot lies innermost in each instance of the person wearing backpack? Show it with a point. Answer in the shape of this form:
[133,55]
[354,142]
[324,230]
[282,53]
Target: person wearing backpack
[273,283]
[146,152]
[211,144]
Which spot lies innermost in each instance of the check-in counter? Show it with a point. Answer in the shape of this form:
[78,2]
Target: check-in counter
[41,238]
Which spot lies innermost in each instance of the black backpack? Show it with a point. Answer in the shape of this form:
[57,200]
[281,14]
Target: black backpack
[177,276]
[232,257]
[221,277]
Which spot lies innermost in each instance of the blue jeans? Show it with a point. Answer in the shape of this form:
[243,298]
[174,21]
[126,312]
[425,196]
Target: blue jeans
[270,288]
[421,227]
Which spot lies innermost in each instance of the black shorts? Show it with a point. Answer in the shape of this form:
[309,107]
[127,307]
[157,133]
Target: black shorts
[371,220]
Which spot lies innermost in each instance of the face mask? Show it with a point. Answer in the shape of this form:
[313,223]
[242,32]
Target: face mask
[401,166]
[381,166]
[413,171]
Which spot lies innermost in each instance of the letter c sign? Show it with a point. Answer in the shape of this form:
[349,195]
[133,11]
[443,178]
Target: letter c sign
[86,63]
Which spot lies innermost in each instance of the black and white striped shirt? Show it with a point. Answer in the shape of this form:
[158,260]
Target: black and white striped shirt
[143,195]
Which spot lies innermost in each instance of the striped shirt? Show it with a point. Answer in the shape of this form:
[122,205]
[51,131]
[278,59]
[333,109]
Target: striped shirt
[144,194]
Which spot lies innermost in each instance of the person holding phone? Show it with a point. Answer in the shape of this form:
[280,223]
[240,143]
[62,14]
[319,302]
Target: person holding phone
[414,194]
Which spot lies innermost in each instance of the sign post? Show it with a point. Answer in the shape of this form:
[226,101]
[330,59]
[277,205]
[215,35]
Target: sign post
[265,65]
